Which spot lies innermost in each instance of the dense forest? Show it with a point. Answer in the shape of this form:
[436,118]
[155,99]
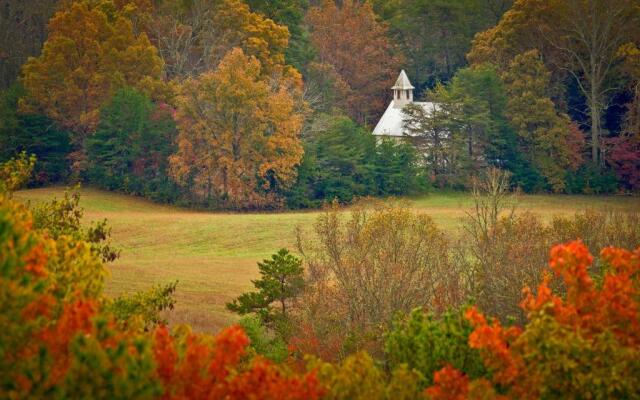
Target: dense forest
[265,104]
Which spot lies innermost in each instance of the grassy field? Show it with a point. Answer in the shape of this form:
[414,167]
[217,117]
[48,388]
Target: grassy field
[214,255]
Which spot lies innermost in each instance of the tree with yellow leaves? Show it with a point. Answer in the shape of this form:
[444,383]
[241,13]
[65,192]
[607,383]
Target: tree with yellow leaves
[92,50]
[239,133]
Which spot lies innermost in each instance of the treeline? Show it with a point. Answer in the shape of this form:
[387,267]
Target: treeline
[378,307]
[262,104]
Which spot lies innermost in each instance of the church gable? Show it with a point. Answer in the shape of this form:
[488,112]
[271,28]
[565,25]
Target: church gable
[392,121]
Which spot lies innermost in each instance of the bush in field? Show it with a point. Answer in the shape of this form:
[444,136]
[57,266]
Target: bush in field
[64,218]
[501,250]
[365,268]
[145,308]
[582,345]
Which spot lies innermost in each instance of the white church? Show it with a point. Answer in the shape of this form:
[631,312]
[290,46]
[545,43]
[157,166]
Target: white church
[392,122]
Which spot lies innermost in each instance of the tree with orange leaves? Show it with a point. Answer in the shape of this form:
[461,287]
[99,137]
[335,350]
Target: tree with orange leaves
[69,347]
[585,345]
[355,48]
[238,141]
[91,51]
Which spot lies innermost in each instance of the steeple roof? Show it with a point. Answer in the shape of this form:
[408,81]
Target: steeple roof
[403,82]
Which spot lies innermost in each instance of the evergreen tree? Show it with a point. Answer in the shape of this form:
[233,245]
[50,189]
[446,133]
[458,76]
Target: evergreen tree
[281,279]
[130,148]
[33,134]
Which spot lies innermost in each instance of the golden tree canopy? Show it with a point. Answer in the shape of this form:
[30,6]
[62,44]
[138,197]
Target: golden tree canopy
[92,50]
[239,133]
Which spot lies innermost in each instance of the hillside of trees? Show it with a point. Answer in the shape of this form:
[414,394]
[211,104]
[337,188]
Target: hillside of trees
[268,104]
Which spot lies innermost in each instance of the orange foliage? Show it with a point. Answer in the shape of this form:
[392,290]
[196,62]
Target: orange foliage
[449,384]
[592,310]
[239,133]
[76,318]
[213,372]
[593,324]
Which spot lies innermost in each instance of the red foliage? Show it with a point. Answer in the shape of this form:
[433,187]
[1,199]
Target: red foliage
[205,372]
[76,318]
[624,156]
[448,384]
[613,306]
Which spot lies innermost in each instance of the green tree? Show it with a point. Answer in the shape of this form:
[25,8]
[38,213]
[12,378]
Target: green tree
[435,35]
[339,154]
[34,134]
[281,281]
[396,169]
[542,131]
[291,14]
[426,343]
[130,149]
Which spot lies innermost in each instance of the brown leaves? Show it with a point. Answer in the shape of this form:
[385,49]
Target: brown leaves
[355,44]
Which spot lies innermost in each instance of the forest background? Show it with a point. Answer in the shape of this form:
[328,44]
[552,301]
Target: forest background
[270,104]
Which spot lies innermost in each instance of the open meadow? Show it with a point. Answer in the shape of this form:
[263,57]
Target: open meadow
[213,255]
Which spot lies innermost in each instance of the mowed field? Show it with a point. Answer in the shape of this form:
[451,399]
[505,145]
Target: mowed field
[213,255]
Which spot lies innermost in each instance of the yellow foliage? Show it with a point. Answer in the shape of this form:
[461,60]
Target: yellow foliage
[91,51]
[238,137]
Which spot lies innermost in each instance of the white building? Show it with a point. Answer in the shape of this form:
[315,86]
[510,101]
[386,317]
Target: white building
[392,122]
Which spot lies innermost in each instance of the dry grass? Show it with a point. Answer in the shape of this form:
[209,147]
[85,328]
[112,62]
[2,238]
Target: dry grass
[214,255]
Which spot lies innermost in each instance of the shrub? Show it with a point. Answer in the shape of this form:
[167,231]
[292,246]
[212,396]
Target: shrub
[364,269]
[426,343]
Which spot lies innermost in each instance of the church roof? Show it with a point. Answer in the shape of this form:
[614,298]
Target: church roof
[391,122]
[403,82]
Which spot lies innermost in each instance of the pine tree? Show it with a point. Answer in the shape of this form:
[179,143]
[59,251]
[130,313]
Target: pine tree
[281,280]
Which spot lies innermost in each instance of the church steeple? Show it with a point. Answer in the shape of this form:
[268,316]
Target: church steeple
[402,91]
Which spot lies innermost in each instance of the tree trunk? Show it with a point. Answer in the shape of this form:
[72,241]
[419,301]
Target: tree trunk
[595,127]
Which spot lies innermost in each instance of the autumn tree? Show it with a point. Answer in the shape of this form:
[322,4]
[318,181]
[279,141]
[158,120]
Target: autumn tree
[543,132]
[624,150]
[90,52]
[578,38]
[238,142]
[365,268]
[291,14]
[193,37]
[356,48]
[584,344]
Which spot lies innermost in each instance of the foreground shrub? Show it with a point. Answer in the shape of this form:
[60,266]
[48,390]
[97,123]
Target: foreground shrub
[426,343]
[585,345]
[359,378]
